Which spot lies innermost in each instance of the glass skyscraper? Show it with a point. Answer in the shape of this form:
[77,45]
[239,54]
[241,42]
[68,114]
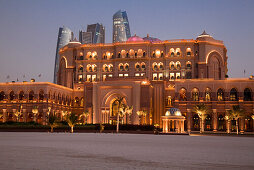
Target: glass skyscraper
[64,37]
[121,28]
[94,34]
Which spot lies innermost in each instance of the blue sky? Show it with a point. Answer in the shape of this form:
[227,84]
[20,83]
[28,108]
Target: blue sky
[29,29]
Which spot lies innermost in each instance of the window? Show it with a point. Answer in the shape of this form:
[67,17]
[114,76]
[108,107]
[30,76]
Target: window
[233,95]
[172,54]
[21,95]
[208,94]
[81,69]
[137,67]
[110,75]
[195,95]
[12,95]
[178,65]
[126,67]
[220,95]
[172,76]
[88,77]
[104,77]
[2,95]
[143,67]
[41,95]
[188,53]
[161,66]
[182,94]
[93,77]
[178,75]
[120,75]
[121,68]
[154,76]
[142,74]
[31,95]
[247,95]
[178,53]
[160,76]
[172,66]
[126,75]
[137,74]
[80,77]
[144,54]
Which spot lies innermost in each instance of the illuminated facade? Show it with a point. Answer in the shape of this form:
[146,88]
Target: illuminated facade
[151,75]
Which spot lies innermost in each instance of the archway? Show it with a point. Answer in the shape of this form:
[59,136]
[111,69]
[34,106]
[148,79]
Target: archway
[196,122]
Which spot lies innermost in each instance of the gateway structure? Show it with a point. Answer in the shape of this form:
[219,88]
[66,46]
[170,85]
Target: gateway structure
[151,75]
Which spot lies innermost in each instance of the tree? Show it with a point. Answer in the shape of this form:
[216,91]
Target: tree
[120,106]
[53,122]
[202,112]
[18,113]
[84,116]
[234,114]
[142,113]
[72,120]
[126,110]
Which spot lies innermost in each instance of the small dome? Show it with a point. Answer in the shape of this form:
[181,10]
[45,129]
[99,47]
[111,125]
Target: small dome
[151,39]
[204,34]
[173,112]
[135,39]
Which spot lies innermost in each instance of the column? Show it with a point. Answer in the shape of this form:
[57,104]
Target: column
[44,117]
[166,127]
[182,127]
[189,120]
[169,125]
[4,115]
[241,121]
[177,126]
[24,115]
[215,120]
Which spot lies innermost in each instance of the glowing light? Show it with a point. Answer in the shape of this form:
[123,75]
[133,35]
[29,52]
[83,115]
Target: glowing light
[157,52]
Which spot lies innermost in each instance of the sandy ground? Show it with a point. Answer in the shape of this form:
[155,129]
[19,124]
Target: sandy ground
[28,150]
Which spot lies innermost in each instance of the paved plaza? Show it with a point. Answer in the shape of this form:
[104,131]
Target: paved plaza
[26,150]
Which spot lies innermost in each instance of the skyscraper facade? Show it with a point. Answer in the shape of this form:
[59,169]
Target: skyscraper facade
[121,28]
[64,37]
[94,34]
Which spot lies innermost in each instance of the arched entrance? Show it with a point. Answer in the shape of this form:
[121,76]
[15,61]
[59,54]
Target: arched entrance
[208,123]
[221,123]
[196,122]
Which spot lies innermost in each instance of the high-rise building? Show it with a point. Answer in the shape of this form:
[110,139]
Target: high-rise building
[94,34]
[121,28]
[64,37]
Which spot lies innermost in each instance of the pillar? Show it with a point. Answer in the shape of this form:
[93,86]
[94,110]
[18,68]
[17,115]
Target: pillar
[44,117]
[189,120]
[169,125]
[4,115]
[24,115]
[177,126]
[228,125]
[182,126]
[215,120]
[241,121]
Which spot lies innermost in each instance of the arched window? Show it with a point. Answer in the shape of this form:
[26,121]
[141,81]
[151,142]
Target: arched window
[247,95]
[220,95]
[94,68]
[137,67]
[110,67]
[172,54]
[31,95]
[208,122]
[81,69]
[161,66]
[2,95]
[178,53]
[196,122]
[89,68]
[182,95]
[144,54]
[172,65]
[208,94]
[155,67]
[105,68]
[119,55]
[221,123]
[21,95]
[126,67]
[188,65]
[233,95]
[121,67]
[12,95]
[41,95]
[178,65]
[143,66]
[76,101]
[127,55]
[195,94]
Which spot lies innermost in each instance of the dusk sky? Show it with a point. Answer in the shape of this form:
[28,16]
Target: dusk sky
[29,29]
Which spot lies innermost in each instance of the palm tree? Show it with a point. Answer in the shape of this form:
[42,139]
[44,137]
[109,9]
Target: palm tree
[142,113]
[18,113]
[72,120]
[84,115]
[202,112]
[125,110]
[52,122]
[120,106]
[234,114]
